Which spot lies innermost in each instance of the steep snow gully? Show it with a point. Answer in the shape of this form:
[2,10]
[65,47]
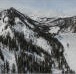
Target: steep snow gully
[31,46]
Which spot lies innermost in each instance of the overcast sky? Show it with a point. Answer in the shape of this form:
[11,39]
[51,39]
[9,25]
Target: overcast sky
[42,7]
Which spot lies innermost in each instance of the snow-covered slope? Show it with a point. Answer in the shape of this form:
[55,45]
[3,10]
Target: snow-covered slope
[69,42]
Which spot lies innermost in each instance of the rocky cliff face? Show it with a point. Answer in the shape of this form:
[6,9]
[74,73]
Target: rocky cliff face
[28,46]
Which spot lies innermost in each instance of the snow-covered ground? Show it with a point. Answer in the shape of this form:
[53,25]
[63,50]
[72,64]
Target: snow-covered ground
[54,29]
[69,42]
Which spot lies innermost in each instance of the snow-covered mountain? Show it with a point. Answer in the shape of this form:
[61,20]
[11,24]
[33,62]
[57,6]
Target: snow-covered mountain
[30,46]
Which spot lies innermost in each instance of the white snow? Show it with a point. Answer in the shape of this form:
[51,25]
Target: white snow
[69,42]
[6,19]
[17,20]
[4,32]
[41,42]
[54,29]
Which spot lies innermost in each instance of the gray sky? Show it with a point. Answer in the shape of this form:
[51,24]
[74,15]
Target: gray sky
[42,7]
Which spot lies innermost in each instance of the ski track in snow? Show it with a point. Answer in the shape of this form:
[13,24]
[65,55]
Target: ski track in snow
[68,40]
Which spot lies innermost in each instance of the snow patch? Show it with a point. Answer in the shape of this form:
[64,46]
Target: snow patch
[41,42]
[5,31]
[54,29]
